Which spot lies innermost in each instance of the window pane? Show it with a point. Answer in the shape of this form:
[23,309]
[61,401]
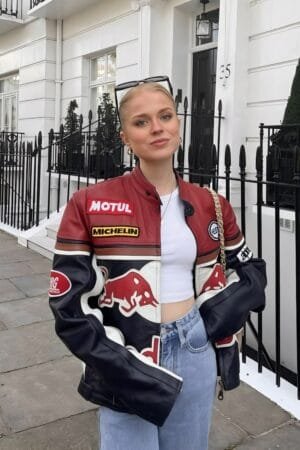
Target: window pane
[111,66]
[98,69]
[97,93]
[7,103]
[11,84]
[14,113]
[10,112]
[110,89]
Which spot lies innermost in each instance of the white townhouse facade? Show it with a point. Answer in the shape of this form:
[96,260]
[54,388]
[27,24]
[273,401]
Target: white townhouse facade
[61,50]
[54,51]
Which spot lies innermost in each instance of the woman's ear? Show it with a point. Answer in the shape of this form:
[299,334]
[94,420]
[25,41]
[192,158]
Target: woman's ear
[123,137]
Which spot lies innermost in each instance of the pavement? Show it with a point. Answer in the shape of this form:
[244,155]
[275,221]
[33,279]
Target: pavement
[40,408]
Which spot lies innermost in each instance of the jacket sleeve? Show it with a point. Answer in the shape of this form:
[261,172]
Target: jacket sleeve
[243,284]
[251,271]
[141,387]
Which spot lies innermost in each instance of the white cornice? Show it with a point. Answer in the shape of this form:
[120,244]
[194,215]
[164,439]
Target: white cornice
[136,5]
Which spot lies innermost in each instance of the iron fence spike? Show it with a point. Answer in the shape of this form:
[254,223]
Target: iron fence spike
[227,156]
[242,157]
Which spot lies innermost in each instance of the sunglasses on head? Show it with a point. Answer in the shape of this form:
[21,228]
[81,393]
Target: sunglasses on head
[131,84]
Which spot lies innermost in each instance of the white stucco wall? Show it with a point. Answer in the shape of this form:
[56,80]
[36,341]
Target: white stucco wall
[30,50]
[274,41]
[105,26]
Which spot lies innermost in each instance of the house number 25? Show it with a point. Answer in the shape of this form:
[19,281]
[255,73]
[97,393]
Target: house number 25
[225,71]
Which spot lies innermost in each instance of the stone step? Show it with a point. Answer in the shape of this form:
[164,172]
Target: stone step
[42,244]
[51,230]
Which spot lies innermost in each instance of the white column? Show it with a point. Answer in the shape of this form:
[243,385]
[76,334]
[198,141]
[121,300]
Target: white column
[58,75]
[231,83]
[143,7]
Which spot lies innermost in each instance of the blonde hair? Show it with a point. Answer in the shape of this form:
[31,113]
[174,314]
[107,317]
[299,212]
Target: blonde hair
[131,93]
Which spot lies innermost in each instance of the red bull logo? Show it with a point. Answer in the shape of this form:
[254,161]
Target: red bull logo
[216,279]
[132,292]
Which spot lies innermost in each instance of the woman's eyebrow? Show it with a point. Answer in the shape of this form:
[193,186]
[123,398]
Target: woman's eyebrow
[144,114]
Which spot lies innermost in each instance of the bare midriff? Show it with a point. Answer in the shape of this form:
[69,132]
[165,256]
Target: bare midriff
[175,310]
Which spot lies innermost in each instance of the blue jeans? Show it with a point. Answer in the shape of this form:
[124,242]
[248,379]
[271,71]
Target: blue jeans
[186,351]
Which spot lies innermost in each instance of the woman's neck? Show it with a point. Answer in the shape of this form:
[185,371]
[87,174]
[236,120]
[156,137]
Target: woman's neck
[162,176]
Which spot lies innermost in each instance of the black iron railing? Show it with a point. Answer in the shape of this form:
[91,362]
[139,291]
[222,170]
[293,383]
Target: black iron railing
[20,181]
[11,8]
[90,154]
[34,3]
[281,142]
[96,152]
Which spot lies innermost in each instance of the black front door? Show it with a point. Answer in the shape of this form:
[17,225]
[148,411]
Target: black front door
[203,103]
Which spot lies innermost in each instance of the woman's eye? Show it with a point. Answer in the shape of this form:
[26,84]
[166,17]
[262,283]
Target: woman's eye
[166,117]
[140,123]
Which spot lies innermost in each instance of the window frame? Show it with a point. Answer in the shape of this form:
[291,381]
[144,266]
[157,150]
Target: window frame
[9,95]
[105,82]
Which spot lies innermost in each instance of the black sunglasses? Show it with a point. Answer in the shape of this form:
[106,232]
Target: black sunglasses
[131,84]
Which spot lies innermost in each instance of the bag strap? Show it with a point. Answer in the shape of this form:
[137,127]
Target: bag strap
[219,216]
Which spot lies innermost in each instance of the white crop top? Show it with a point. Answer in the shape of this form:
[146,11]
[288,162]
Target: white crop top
[178,251]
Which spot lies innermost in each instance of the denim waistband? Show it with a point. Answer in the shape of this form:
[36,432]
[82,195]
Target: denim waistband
[180,326]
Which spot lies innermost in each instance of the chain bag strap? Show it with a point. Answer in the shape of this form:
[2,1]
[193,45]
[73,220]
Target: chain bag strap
[219,216]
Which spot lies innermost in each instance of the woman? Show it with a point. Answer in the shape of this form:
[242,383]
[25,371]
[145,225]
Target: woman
[132,256]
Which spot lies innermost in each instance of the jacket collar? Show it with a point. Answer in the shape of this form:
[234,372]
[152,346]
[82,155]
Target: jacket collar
[146,189]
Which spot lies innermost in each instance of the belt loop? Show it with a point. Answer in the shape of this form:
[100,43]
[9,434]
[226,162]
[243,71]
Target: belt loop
[181,334]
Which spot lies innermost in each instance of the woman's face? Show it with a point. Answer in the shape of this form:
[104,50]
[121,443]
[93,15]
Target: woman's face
[150,126]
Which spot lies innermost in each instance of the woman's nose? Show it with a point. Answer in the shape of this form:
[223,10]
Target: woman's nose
[156,126]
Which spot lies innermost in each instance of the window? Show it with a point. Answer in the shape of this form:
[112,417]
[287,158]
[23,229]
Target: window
[102,78]
[9,88]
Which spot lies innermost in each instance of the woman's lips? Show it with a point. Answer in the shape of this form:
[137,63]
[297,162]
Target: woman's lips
[159,142]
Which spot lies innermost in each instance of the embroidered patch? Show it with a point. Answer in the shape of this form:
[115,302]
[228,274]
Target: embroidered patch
[117,230]
[60,284]
[99,206]
[244,254]
[213,230]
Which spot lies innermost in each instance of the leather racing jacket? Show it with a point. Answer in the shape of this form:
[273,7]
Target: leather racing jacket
[104,289]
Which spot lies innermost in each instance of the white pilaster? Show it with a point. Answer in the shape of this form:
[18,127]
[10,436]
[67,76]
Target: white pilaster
[231,83]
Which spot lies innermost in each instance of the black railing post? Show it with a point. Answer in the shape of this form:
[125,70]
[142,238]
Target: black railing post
[242,164]
[38,186]
[220,108]
[276,178]
[60,162]
[81,157]
[22,185]
[34,181]
[185,108]
[50,145]
[227,170]
[297,244]
[89,148]
[180,160]
[259,194]
[214,167]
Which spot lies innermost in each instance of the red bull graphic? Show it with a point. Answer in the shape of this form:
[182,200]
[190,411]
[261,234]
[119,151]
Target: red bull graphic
[153,351]
[132,292]
[216,279]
